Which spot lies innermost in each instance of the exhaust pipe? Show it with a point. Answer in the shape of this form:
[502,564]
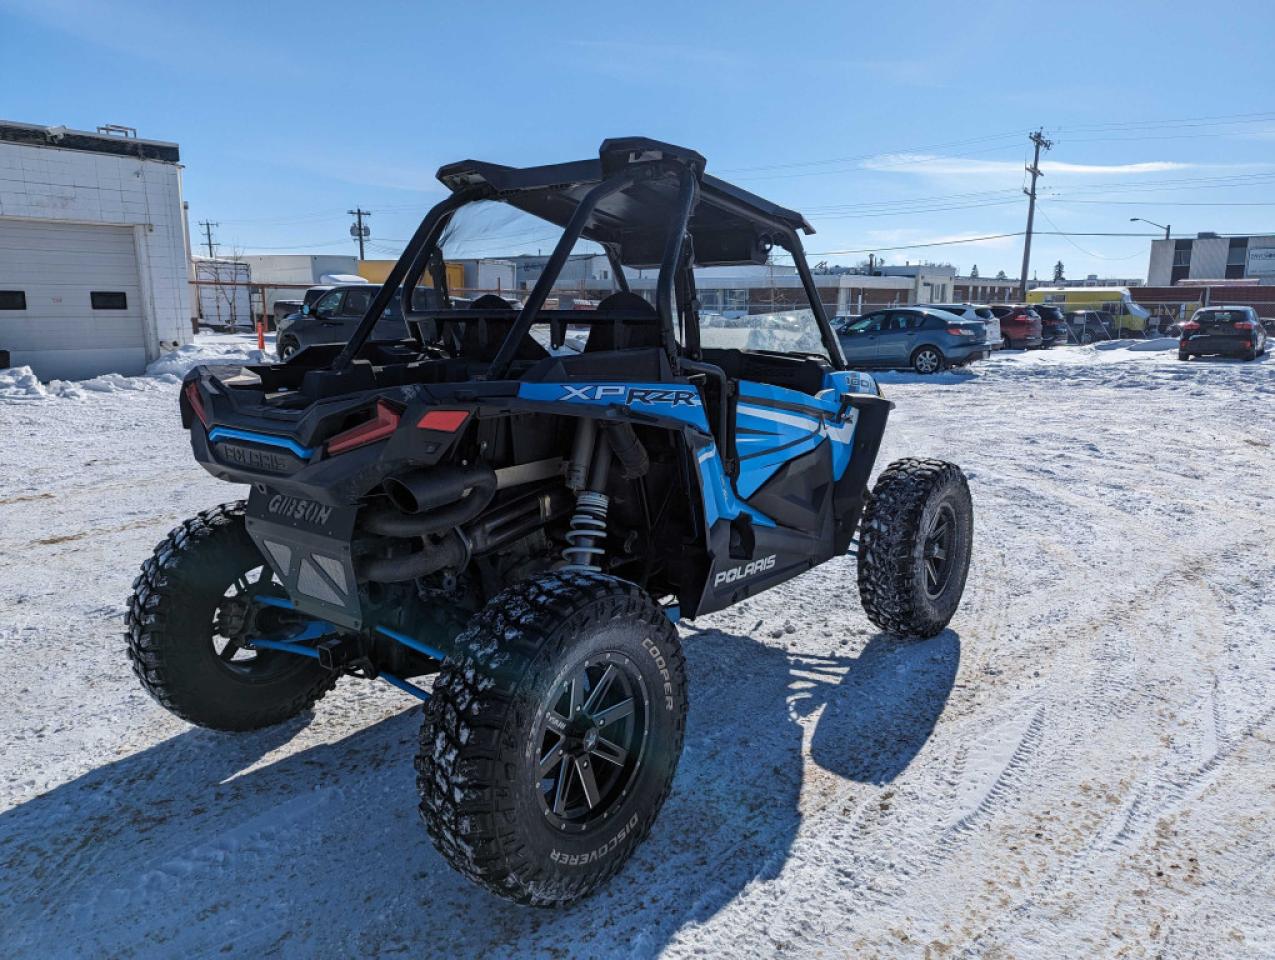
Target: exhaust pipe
[507,523]
[431,501]
[452,552]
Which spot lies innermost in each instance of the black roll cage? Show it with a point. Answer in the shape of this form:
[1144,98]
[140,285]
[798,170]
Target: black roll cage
[640,161]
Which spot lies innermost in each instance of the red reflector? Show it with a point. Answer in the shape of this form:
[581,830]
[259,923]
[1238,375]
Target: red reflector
[448,421]
[196,402]
[383,423]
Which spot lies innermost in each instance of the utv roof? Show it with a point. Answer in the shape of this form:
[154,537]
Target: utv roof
[729,226]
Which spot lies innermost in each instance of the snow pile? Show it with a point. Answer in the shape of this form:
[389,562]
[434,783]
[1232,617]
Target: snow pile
[206,349]
[20,383]
[1157,343]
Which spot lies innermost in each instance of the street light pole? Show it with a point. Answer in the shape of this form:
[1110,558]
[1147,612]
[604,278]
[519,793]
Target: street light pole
[1162,226]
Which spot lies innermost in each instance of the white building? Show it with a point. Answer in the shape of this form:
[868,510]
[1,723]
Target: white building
[1210,257]
[295,272]
[93,251]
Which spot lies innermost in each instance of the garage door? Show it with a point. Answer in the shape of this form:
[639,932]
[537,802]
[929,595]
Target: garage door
[70,299]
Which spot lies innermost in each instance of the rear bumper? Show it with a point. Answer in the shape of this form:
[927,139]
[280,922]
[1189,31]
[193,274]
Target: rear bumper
[966,354]
[1206,344]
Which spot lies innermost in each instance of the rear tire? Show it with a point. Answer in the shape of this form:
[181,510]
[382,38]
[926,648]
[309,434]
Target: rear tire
[914,547]
[172,626]
[927,360]
[1182,355]
[496,799]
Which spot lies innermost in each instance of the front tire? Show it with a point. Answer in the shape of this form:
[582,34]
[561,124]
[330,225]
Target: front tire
[551,738]
[179,641]
[914,547]
[288,347]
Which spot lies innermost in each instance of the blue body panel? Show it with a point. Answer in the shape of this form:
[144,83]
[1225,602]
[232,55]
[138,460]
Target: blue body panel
[774,425]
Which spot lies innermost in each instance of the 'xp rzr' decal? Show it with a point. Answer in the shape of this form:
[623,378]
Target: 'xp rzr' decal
[592,392]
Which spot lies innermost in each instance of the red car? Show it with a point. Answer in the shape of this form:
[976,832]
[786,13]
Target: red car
[1020,325]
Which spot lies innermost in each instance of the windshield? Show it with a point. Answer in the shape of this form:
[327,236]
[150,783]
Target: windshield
[789,331]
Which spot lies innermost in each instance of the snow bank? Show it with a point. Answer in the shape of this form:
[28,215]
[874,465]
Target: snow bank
[1158,343]
[206,349]
[20,383]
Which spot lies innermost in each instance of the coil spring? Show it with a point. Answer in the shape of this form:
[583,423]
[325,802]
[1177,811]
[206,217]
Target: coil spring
[588,527]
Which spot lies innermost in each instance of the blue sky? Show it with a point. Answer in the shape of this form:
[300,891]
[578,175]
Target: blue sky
[887,124]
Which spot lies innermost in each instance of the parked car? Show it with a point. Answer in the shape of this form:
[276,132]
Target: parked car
[973,311]
[331,315]
[1086,326]
[1020,325]
[1228,331]
[1053,325]
[925,339]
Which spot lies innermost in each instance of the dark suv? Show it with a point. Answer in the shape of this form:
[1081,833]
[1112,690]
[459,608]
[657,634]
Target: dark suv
[1020,325]
[331,316]
[1053,325]
[1228,331]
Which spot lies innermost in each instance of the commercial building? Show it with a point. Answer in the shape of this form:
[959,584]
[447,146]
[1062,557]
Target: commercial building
[1212,257]
[93,252]
[293,272]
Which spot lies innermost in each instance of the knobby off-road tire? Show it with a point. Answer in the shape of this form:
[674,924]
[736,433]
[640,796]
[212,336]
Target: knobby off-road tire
[170,627]
[914,547]
[488,735]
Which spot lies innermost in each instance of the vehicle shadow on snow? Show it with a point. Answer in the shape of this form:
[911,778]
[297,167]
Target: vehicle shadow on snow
[203,843]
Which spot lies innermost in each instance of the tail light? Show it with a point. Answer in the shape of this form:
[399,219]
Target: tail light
[1244,325]
[196,402]
[960,332]
[446,421]
[1190,327]
[382,424]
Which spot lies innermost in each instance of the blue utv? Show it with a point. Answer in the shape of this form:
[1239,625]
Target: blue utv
[522,501]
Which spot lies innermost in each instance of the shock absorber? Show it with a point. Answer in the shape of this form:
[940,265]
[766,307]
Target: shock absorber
[588,530]
[586,537]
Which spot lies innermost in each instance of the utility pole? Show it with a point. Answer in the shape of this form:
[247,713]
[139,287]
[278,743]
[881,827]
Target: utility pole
[208,227]
[357,229]
[1038,139]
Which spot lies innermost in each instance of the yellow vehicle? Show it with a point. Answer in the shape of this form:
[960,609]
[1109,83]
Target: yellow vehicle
[375,271]
[1128,317]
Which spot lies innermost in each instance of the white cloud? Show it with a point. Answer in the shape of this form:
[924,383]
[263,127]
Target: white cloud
[937,165]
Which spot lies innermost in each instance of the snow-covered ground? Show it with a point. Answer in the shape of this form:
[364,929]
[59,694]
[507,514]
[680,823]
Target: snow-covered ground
[1083,765]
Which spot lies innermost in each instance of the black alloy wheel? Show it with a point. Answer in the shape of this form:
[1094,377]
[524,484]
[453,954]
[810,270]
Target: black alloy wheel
[591,740]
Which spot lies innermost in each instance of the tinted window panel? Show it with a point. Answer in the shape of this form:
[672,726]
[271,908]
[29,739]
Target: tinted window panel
[108,300]
[13,300]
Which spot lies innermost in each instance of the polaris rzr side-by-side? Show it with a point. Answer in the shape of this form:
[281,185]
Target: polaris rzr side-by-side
[527,521]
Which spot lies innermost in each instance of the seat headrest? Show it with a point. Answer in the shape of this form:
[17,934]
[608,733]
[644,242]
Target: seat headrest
[625,300]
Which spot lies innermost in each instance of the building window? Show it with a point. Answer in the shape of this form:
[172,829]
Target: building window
[13,299]
[1237,253]
[1234,271]
[1182,253]
[108,300]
